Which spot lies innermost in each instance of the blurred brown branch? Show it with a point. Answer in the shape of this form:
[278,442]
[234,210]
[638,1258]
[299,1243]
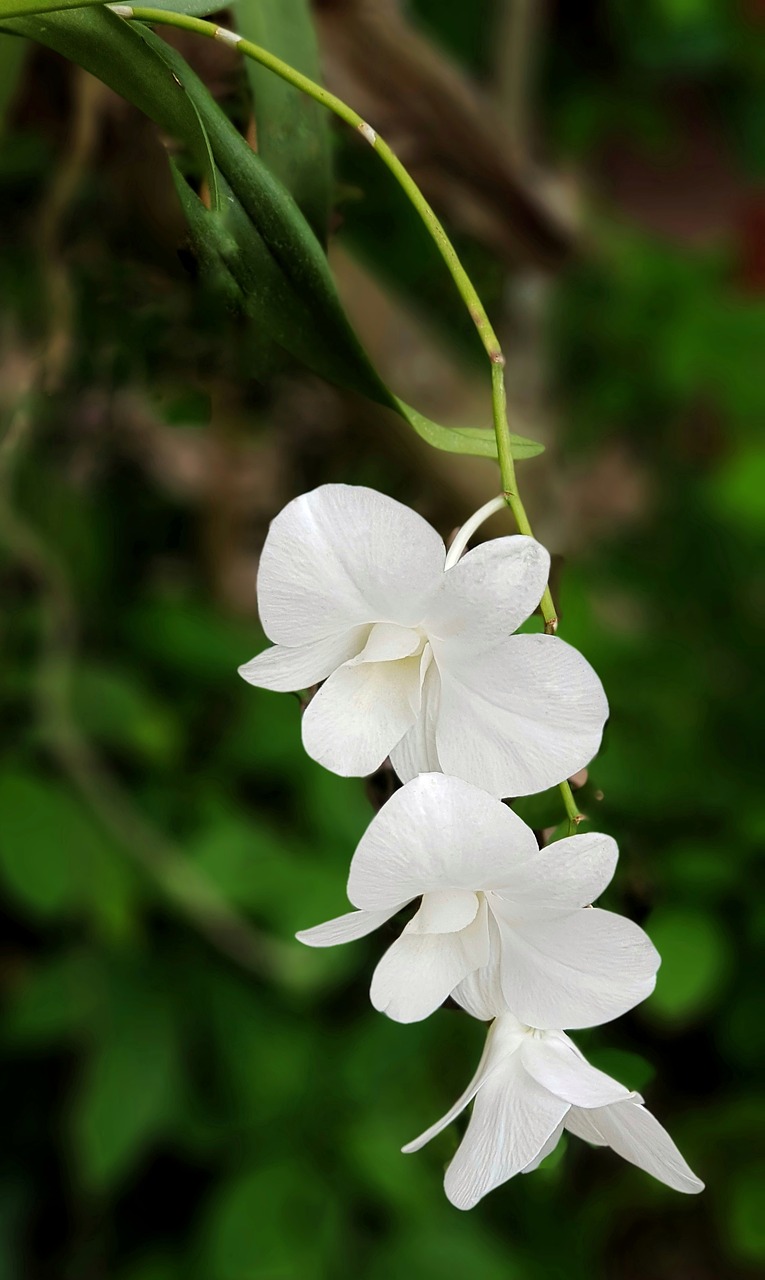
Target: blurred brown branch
[449,135]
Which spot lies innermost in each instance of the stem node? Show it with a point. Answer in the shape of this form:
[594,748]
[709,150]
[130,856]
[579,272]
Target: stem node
[227,37]
[367,132]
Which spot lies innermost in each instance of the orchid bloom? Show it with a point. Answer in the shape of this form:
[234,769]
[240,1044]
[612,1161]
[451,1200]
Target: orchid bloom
[492,902]
[531,1085]
[416,649]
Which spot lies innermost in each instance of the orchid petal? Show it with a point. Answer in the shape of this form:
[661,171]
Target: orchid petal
[435,833]
[420,970]
[576,970]
[387,642]
[504,1038]
[286,669]
[547,1149]
[346,928]
[513,1119]
[636,1135]
[417,752]
[519,718]
[480,994]
[556,1063]
[445,911]
[569,873]
[488,594]
[343,555]
[360,713]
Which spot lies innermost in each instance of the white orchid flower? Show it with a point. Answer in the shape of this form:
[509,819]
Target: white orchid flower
[491,902]
[417,651]
[531,1085]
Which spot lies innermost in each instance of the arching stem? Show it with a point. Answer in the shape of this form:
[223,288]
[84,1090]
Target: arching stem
[464,285]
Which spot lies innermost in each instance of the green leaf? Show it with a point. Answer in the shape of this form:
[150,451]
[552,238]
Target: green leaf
[746,1219]
[126,1097]
[39,845]
[695,955]
[250,1228]
[199,144]
[213,243]
[736,490]
[478,441]
[30,8]
[190,642]
[236,261]
[277,259]
[293,130]
[212,172]
[256,868]
[191,8]
[55,859]
[54,1001]
[115,52]
[112,707]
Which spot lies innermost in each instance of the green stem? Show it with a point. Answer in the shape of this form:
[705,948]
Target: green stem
[464,284]
[572,811]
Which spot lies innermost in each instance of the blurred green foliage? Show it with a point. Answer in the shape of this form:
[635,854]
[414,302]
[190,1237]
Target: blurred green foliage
[168,1112]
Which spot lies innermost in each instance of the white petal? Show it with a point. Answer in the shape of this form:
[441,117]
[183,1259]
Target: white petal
[480,993]
[341,556]
[445,911]
[557,1064]
[569,873]
[636,1135]
[547,1149]
[416,752]
[513,1118]
[574,970]
[419,971]
[504,1038]
[361,712]
[435,833]
[286,669]
[486,596]
[520,718]
[387,641]
[347,928]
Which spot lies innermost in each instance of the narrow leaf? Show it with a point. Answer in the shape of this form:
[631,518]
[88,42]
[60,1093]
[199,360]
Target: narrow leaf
[115,52]
[191,8]
[29,8]
[478,441]
[277,261]
[125,1101]
[292,129]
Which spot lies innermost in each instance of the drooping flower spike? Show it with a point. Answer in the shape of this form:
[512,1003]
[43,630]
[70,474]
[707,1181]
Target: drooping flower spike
[531,1085]
[491,902]
[419,660]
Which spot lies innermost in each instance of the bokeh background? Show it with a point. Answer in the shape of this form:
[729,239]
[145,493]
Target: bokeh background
[188,1093]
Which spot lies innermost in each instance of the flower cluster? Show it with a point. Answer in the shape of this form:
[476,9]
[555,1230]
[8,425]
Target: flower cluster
[419,663]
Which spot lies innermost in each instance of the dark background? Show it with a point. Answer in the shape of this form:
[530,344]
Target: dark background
[187,1093]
